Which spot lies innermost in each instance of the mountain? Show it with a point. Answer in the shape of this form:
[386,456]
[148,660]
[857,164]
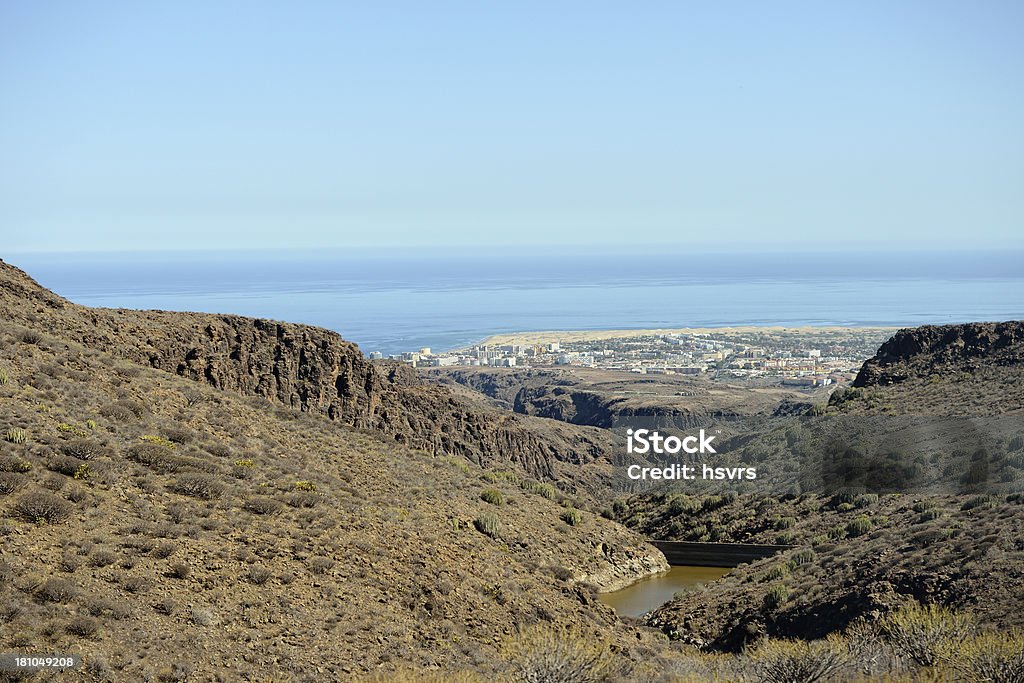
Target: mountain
[184,496]
[859,555]
[314,370]
[974,369]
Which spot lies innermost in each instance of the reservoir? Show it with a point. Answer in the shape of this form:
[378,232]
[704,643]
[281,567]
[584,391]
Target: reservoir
[654,591]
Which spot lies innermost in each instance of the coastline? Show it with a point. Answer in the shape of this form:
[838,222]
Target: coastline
[568,336]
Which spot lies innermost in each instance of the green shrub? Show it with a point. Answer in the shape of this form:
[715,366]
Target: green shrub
[488,524]
[681,504]
[304,485]
[492,496]
[16,436]
[865,500]
[802,557]
[859,526]
[785,523]
[925,505]
[4,377]
[159,441]
[976,502]
[572,517]
[777,572]
[776,596]
[923,633]
[542,489]
[500,475]
[785,538]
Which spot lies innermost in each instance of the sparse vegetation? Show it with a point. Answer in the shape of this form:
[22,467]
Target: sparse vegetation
[42,508]
[493,496]
[923,633]
[488,524]
[16,436]
[571,516]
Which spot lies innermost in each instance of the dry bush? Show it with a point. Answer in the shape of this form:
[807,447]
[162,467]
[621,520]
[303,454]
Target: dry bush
[42,508]
[799,661]
[260,575]
[995,657]
[10,482]
[12,463]
[320,564]
[179,570]
[923,633]
[421,676]
[543,654]
[83,449]
[63,465]
[303,499]
[157,457]
[262,505]
[198,486]
[82,626]
[56,590]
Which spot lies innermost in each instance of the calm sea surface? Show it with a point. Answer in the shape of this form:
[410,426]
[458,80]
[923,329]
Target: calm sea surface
[401,301]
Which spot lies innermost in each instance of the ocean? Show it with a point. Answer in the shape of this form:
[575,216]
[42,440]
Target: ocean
[401,300]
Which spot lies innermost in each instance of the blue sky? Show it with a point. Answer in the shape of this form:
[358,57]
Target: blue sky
[130,125]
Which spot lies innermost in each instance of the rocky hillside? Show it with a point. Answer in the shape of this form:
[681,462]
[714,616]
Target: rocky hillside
[857,555]
[598,398]
[975,369]
[173,530]
[924,352]
[317,371]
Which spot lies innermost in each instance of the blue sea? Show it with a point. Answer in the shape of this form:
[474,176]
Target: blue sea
[400,300]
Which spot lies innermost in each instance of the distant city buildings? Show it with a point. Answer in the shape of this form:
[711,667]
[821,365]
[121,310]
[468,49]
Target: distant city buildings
[799,358]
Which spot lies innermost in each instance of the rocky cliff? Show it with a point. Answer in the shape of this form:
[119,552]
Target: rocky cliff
[929,350]
[310,369]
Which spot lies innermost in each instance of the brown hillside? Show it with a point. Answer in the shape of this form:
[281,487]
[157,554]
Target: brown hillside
[314,370]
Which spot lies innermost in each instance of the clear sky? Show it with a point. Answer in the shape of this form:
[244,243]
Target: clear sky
[217,124]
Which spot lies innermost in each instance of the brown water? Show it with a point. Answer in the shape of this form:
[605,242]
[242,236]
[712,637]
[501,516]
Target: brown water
[654,591]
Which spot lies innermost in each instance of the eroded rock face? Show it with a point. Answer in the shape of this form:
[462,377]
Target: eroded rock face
[307,368]
[625,564]
[943,349]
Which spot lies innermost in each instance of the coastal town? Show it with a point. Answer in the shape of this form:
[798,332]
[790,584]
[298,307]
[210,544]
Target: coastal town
[799,357]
